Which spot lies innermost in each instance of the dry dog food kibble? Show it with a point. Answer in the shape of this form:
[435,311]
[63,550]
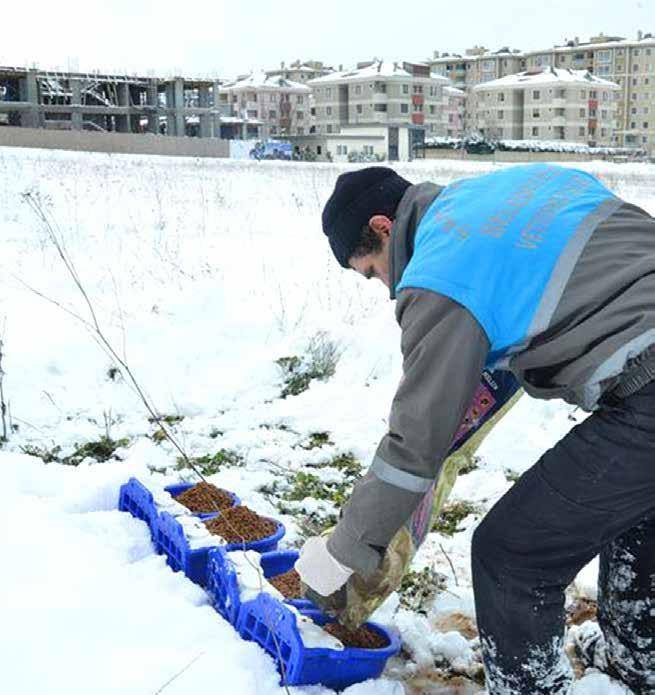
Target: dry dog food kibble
[288,584]
[361,638]
[240,524]
[205,497]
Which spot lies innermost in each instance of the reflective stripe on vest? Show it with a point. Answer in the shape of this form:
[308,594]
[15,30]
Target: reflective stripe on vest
[504,245]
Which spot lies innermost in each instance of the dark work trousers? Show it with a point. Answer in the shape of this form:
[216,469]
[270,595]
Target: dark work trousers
[593,493]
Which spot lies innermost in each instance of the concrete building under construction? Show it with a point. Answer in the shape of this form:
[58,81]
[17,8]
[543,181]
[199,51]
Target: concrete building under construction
[99,102]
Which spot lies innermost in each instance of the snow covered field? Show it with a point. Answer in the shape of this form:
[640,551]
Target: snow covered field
[202,273]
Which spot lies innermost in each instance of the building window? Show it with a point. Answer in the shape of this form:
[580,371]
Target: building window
[328,110]
[536,113]
[273,130]
[501,96]
[300,115]
[300,131]
[432,108]
[603,114]
[603,132]
[560,93]
[404,108]
[536,94]
[319,150]
[418,107]
[645,125]
[251,113]
[405,89]
[635,68]
[272,115]
[328,91]
[593,94]
[605,96]
[603,56]
[582,113]
[299,100]
[368,149]
[581,130]
[535,131]
[592,113]
[636,52]
[328,128]
[358,89]
[418,89]
[583,94]
[501,115]
[342,149]
[380,108]
[359,108]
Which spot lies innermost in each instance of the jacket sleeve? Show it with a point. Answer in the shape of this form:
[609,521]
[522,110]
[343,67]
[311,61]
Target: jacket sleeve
[444,350]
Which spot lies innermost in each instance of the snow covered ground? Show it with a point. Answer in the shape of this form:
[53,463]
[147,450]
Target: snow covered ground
[202,273]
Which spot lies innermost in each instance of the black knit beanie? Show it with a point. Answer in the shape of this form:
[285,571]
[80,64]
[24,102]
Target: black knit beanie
[357,196]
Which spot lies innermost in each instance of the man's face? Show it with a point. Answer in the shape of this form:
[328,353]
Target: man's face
[376,264]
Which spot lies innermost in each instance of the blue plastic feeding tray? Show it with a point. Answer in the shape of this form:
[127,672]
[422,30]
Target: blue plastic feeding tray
[179,488]
[223,584]
[135,498]
[171,540]
[273,626]
[278,562]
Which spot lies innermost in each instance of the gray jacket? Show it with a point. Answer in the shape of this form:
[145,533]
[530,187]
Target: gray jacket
[598,344]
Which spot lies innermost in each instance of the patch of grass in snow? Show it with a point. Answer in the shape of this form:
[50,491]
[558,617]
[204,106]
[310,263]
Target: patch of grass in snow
[452,514]
[316,441]
[308,485]
[215,433]
[46,455]
[169,420]
[511,476]
[319,362]
[418,588]
[159,435]
[285,494]
[101,450]
[212,463]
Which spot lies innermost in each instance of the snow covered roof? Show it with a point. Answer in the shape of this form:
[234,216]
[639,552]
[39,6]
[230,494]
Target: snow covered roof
[545,76]
[588,46]
[454,92]
[623,43]
[260,80]
[377,69]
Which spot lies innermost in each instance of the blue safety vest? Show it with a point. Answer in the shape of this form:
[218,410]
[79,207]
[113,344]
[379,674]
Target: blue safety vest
[504,244]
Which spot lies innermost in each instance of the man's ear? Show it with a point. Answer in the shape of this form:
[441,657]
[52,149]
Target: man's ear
[381,225]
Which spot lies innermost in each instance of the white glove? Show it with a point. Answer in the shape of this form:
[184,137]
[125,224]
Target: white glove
[319,570]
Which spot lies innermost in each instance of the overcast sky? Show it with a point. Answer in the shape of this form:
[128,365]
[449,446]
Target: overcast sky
[228,37]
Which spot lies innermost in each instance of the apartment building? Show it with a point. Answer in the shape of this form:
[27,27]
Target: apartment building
[549,104]
[454,105]
[301,72]
[628,63]
[269,107]
[477,65]
[380,92]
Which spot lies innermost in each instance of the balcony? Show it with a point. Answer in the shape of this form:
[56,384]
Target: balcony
[418,118]
[418,99]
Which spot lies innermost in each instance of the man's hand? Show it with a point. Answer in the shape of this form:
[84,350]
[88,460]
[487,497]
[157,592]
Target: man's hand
[319,570]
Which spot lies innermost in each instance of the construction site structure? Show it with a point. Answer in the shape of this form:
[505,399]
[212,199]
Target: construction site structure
[175,106]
